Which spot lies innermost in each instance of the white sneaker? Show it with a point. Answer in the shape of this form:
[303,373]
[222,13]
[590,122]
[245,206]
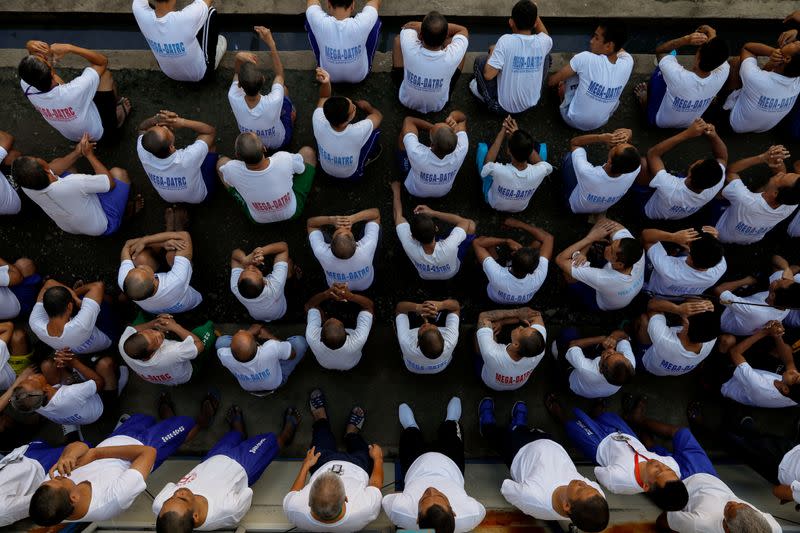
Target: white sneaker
[454,409]
[473,87]
[406,416]
[554,350]
[222,47]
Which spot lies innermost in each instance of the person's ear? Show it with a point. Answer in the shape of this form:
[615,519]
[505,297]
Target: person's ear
[567,507]
[74,497]
[345,499]
[196,518]
[512,25]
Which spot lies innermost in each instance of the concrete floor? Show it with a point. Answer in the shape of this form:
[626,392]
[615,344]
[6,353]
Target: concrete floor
[380,382]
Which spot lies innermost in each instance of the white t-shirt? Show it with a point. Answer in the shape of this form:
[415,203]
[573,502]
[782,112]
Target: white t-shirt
[667,356]
[9,199]
[339,151]
[749,217]
[74,404]
[616,470]
[500,372]
[743,319]
[20,476]
[73,204]
[343,43]
[755,387]
[789,472]
[520,60]
[435,470]
[177,177]
[357,271]
[69,107]
[268,193]
[363,501]
[223,483]
[688,95]
[512,189]
[443,263]
[704,513]
[673,277]
[538,469]
[271,303]
[794,226]
[80,333]
[173,38]
[586,380]
[427,73]
[264,119]
[413,358]
[505,288]
[596,191]
[7,374]
[9,304]
[673,200]
[350,353]
[169,365]
[115,485]
[614,289]
[263,372]
[174,294]
[599,86]
[431,177]
[764,99]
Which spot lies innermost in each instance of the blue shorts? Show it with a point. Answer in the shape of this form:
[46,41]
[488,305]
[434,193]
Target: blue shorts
[288,125]
[585,294]
[254,454]
[114,203]
[403,163]
[369,147]
[165,436]
[44,454]
[465,246]
[586,433]
[656,90]
[26,293]
[209,172]
[690,456]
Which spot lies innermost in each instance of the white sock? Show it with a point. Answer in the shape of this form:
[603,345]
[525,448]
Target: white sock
[406,416]
[454,409]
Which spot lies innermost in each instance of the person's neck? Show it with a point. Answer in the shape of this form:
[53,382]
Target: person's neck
[340,13]
[700,73]
[201,508]
[625,271]
[524,32]
[519,165]
[261,165]
[612,57]
[607,170]
[84,492]
[165,8]
[341,127]
[770,199]
[557,500]
[55,326]
[430,247]
[688,345]
[252,101]
[432,48]
[690,264]
[512,353]
[334,520]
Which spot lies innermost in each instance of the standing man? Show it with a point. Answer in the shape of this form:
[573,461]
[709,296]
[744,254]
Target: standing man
[343,493]
[345,259]
[81,204]
[519,277]
[508,367]
[263,296]
[259,360]
[427,349]
[270,116]
[511,77]
[344,148]
[589,87]
[544,481]
[431,171]
[343,44]
[678,197]
[434,495]
[676,96]
[216,493]
[178,175]
[595,189]
[186,42]
[427,59]
[159,292]
[335,346]
[88,104]
[268,189]
[434,259]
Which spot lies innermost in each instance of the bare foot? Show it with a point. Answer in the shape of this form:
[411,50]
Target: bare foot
[640,92]
[599,406]
[78,284]
[291,420]
[181,218]
[134,206]
[208,409]
[297,272]
[553,406]
[123,110]
[169,219]
[166,408]
[639,410]
[235,419]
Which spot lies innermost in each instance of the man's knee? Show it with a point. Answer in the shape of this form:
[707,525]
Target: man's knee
[19,342]
[26,266]
[397,53]
[120,174]
[106,368]
[106,81]
[309,155]
[726,342]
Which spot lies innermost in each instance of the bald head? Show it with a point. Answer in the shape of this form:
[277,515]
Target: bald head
[139,284]
[333,334]
[249,148]
[156,141]
[431,343]
[443,141]
[244,346]
[343,244]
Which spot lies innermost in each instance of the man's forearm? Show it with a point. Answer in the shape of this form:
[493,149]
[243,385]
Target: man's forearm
[362,301]
[98,167]
[317,299]
[95,58]
[275,248]
[183,333]
[491,317]
[494,149]
[201,128]
[450,218]
[587,342]
[300,480]
[367,215]
[127,453]
[759,49]
[747,162]
[667,144]
[376,479]
[591,138]
[314,223]
[718,147]
[672,44]
[405,307]
[657,305]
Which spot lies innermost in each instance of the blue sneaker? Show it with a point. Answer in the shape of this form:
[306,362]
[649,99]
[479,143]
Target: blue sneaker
[543,151]
[519,415]
[485,414]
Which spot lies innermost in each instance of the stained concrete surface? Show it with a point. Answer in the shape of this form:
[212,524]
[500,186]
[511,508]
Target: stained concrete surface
[380,382]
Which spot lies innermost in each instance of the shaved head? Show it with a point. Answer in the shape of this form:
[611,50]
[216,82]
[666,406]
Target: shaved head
[443,141]
[244,346]
[343,244]
[156,142]
[139,284]
[249,148]
[333,334]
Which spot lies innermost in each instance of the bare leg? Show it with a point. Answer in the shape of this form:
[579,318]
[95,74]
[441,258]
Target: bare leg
[53,374]
[291,420]
[26,266]
[19,343]
[397,53]
[640,92]
[642,336]
[146,257]
[734,81]
[309,155]
[107,369]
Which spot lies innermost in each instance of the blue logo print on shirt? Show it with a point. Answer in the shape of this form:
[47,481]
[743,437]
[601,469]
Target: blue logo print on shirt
[264,134]
[167,49]
[689,106]
[602,93]
[349,276]
[342,55]
[776,105]
[514,194]
[441,178]
[526,64]
[337,160]
[421,83]
[172,183]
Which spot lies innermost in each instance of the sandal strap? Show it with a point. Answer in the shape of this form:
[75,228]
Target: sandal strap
[317,401]
[356,419]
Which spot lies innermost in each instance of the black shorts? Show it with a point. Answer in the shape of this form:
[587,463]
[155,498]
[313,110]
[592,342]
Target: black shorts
[107,107]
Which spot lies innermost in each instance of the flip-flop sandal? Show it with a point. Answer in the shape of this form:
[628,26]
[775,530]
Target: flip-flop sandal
[234,415]
[214,397]
[125,113]
[316,400]
[292,416]
[165,399]
[550,402]
[357,419]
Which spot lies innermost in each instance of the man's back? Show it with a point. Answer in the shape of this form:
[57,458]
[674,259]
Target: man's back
[263,119]
[172,38]
[267,193]
[688,95]
[765,98]
[600,84]
[174,293]
[80,334]
[426,84]
[72,203]
[177,177]
[521,61]
[342,44]
[169,365]
[432,176]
